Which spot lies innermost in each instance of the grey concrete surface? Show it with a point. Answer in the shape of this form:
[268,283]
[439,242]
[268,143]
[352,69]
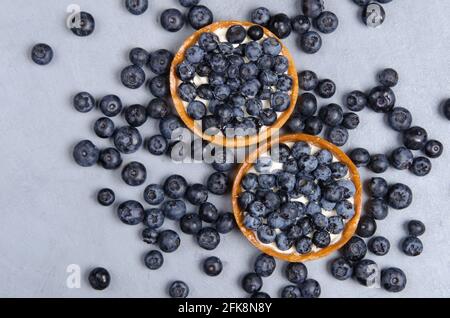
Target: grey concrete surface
[49,216]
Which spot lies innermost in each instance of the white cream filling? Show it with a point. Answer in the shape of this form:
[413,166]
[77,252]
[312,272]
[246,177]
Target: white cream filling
[279,166]
[198,80]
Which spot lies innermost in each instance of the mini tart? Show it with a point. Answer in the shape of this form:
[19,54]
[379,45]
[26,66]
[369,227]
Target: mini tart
[220,139]
[350,226]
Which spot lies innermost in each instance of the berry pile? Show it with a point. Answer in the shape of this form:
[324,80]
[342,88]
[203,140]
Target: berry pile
[198,16]
[299,199]
[314,15]
[235,85]
[382,99]
[307,119]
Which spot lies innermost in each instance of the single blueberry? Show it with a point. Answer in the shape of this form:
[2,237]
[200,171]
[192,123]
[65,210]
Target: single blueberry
[157,145]
[86,154]
[133,77]
[341,269]
[310,42]
[393,280]
[135,115]
[110,159]
[367,226]
[172,20]
[179,289]
[291,292]
[218,183]
[236,34]
[399,196]
[171,127]
[110,105]
[379,246]
[301,24]
[261,16]
[106,197]
[212,266]
[412,246]
[99,278]
[104,127]
[421,166]
[154,218]
[208,238]
[366,272]
[200,16]
[150,236]
[83,24]
[134,174]
[252,283]
[327,22]
[415,138]
[154,194]
[433,149]
[312,8]
[83,102]
[265,265]
[356,101]
[138,56]
[381,99]
[168,241]
[42,54]
[377,208]
[401,158]
[378,187]
[355,249]
[154,260]
[136,7]
[280,25]
[360,157]
[160,61]
[131,212]
[379,163]
[310,288]
[416,228]
[388,77]
[304,245]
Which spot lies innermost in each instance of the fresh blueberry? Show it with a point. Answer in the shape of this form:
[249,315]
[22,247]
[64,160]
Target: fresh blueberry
[99,278]
[218,183]
[110,105]
[190,223]
[377,208]
[327,22]
[378,187]
[310,288]
[300,149]
[356,101]
[168,241]
[345,209]
[268,116]
[110,159]
[304,245]
[308,80]
[291,292]
[393,280]
[245,199]
[308,163]
[189,3]
[337,135]
[84,102]
[433,149]
[199,17]
[138,56]
[261,16]
[283,242]
[252,283]
[154,218]
[313,126]
[159,86]
[296,273]
[154,194]
[150,236]
[250,182]
[331,115]
[136,7]
[86,154]
[42,54]
[312,8]
[338,170]
[367,226]
[320,221]
[265,265]
[326,88]
[341,269]
[236,34]
[104,127]
[280,25]
[306,105]
[373,15]
[209,41]
[83,24]
[106,197]
[197,194]
[179,289]
[208,238]
[225,223]
[187,92]
[286,181]
[154,260]
[415,138]
[366,272]
[402,158]
[379,246]
[416,228]
[378,163]
[388,77]
[310,42]
[212,266]
[195,54]
[133,77]
[313,208]
[160,61]
[196,110]
[382,99]
[253,51]
[355,249]
[399,196]
[252,222]
[351,121]
[360,157]
[272,46]
[131,212]
[127,139]
[175,186]
[255,33]
[284,83]
[250,88]
[412,246]
[281,66]
[157,145]
[421,166]
[301,24]
[321,239]
[174,209]
[335,225]
[266,234]
[172,20]
[170,127]
[134,174]
[135,115]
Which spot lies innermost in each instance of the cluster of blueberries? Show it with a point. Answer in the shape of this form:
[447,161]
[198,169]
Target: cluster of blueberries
[382,99]
[373,13]
[314,15]
[247,83]
[308,119]
[296,273]
[272,198]
[198,16]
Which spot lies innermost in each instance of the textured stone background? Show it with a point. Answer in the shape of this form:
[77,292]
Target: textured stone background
[50,218]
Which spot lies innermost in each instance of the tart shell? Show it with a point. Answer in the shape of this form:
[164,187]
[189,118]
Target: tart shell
[219,139]
[350,226]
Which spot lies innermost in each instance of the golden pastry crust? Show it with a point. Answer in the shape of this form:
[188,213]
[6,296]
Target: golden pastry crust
[222,140]
[350,226]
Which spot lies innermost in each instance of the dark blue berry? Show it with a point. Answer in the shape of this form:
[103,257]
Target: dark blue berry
[265,265]
[134,174]
[338,170]
[326,88]
[172,20]
[160,61]
[416,228]
[189,3]
[301,24]
[159,86]
[110,159]
[252,283]
[208,238]
[135,115]
[179,289]
[157,145]
[331,115]
[402,158]
[154,194]
[272,46]
[200,16]
[212,266]
[127,140]
[171,127]
[335,225]
[136,7]
[86,154]
[138,56]
[381,99]
[266,234]
[175,186]
[379,246]
[133,77]
[415,138]
[367,226]
[99,278]
[378,163]
[42,54]
[356,101]
[355,249]
[187,92]
[360,157]
[261,16]
[83,102]
[255,32]
[225,223]
[83,24]
[168,241]
[291,292]
[283,242]
[433,149]
[154,260]
[393,280]
[154,218]
[351,121]
[190,223]
[131,212]
[308,80]
[388,77]
[110,105]
[378,187]
[313,126]
[310,288]
[197,194]
[366,272]
[104,127]
[304,245]
[312,8]
[150,236]
[341,269]
[327,22]
[218,183]
[399,196]
[377,208]
[106,197]
[337,135]
[310,42]
[306,105]
[252,222]
[412,246]
[345,209]
[174,209]
[236,34]
[280,25]
[421,166]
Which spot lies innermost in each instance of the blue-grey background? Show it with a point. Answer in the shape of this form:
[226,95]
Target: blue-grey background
[49,215]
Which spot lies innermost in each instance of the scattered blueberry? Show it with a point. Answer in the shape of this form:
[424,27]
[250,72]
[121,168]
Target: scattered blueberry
[252,283]
[351,121]
[291,292]
[331,115]
[393,280]
[83,25]
[355,249]
[377,208]
[174,209]
[190,224]
[261,16]
[367,226]
[296,273]
[356,101]
[341,269]
[326,22]
[312,8]
[212,266]
[301,24]
[157,145]
[131,212]
[84,102]
[225,223]
[160,61]
[159,86]
[366,272]
[179,289]
[42,54]
[378,187]
[218,183]
[168,241]
[402,158]
[412,246]
[379,246]
[154,260]
[388,77]
[172,20]
[110,105]
[313,126]
[337,135]
[415,138]
[110,159]
[280,25]
[200,16]
[150,236]
[133,77]
[399,196]
[379,163]
[421,166]
[310,288]
[308,80]
[136,7]
[382,99]
[106,197]
[310,42]
[416,228]
[197,194]
[134,174]
[208,238]
[265,265]
[433,149]
[154,218]
[86,154]
[99,278]
[138,56]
